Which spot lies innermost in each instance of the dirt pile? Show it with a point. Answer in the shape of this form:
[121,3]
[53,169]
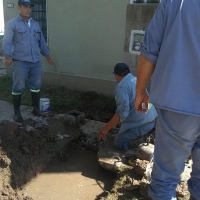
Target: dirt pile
[131,183]
[22,155]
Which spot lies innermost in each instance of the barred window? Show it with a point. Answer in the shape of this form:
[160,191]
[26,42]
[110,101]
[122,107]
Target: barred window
[144,1]
[39,15]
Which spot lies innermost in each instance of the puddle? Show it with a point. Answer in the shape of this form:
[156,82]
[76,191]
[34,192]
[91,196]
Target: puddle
[80,178]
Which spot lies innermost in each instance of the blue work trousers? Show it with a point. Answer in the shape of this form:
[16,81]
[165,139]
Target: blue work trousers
[23,70]
[177,137]
[122,139]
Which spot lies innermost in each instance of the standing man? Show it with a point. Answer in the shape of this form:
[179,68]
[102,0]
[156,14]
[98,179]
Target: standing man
[23,37]
[171,50]
[134,125]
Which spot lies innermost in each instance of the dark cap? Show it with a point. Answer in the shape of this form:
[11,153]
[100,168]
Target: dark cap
[25,3]
[120,68]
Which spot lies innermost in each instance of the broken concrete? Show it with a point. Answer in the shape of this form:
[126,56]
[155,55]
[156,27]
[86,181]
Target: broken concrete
[115,160]
[109,156]
[74,117]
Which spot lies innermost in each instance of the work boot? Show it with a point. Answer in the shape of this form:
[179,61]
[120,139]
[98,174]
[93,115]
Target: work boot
[36,103]
[17,104]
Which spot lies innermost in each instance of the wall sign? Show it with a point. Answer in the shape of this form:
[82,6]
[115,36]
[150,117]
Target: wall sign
[10,5]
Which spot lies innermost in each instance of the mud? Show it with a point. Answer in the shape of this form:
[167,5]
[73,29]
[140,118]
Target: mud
[25,153]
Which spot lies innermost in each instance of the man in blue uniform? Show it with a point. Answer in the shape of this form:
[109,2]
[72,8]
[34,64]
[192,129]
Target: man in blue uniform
[171,50]
[23,37]
[134,125]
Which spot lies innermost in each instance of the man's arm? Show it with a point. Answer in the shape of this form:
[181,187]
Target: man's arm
[112,123]
[44,49]
[123,110]
[8,60]
[7,44]
[144,71]
[50,61]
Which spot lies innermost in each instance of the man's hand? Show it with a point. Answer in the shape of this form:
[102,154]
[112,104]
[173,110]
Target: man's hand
[142,101]
[8,61]
[102,133]
[50,61]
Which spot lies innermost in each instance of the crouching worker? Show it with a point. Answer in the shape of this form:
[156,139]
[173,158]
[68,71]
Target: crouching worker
[134,125]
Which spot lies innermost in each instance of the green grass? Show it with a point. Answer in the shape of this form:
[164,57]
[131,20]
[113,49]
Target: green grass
[61,98]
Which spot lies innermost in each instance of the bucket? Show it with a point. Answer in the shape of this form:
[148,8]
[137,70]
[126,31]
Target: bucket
[44,105]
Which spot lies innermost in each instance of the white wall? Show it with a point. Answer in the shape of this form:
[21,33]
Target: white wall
[1,17]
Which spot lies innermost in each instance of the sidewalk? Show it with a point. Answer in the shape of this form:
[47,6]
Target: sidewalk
[7,113]
[2,66]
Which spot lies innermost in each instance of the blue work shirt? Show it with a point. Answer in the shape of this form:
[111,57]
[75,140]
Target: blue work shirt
[172,43]
[125,93]
[22,42]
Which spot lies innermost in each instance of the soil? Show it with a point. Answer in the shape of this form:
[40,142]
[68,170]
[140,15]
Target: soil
[21,154]
[25,153]
[97,107]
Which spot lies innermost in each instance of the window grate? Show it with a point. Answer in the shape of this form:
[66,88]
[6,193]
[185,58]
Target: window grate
[144,1]
[39,15]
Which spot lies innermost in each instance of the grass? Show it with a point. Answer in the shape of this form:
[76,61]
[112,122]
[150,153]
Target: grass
[61,98]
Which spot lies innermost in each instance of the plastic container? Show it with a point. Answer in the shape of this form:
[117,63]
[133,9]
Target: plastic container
[44,105]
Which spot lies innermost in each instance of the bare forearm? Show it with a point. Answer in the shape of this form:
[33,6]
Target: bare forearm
[50,61]
[144,71]
[113,122]
[8,61]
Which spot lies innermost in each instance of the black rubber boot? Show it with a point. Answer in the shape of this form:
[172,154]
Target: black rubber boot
[17,104]
[36,103]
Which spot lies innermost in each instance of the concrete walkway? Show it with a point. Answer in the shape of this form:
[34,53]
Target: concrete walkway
[7,113]
[2,67]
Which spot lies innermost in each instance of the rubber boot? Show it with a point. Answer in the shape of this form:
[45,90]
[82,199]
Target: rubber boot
[36,103]
[17,104]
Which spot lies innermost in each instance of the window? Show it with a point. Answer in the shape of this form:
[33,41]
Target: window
[144,1]
[39,15]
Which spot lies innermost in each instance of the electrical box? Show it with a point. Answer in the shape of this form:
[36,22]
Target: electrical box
[135,41]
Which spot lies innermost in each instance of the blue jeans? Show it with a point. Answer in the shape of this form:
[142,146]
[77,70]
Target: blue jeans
[177,137]
[122,139]
[22,70]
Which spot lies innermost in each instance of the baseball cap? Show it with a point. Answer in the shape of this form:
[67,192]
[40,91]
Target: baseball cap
[120,68]
[25,3]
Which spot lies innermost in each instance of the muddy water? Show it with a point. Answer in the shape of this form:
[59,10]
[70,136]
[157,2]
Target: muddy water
[80,178]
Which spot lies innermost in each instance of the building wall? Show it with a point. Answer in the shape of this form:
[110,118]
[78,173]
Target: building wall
[1,18]
[86,40]
[137,18]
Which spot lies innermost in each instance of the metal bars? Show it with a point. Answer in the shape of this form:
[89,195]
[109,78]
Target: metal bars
[39,15]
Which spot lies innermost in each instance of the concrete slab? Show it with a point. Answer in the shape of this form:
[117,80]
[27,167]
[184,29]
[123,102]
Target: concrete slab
[91,128]
[2,72]
[109,156]
[2,67]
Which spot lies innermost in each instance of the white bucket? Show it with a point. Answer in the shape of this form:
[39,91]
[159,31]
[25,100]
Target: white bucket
[44,104]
